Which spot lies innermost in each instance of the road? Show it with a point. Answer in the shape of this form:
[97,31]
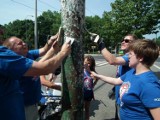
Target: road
[103,108]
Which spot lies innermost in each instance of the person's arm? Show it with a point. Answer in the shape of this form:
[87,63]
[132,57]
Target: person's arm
[51,77]
[110,80]
[44,67]
[48,45]
[111,59]
[155,112]
[51,52]
[48,83]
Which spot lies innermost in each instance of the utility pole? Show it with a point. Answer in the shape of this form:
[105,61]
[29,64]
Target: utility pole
[35,27]
[73,14]
[26,24]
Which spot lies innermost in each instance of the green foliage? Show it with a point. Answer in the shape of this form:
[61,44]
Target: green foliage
[1,33]
[127,16]
[49,23]
[135,16]
[22,29]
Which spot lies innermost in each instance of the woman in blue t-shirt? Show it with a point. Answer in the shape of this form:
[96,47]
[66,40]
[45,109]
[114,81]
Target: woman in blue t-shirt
[137,96]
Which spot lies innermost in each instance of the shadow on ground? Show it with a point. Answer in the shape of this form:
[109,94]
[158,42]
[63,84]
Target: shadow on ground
[94,106]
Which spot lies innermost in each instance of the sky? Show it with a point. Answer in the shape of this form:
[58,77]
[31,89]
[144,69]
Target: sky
[11,10]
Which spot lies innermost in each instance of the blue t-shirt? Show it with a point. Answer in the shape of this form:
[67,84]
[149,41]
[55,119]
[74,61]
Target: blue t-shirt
[31,86]
[12,67]
[138,94]
[122,69]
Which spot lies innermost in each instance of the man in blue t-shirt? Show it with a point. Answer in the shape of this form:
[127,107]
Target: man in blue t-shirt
[13,67]
[121,61]
[30,86]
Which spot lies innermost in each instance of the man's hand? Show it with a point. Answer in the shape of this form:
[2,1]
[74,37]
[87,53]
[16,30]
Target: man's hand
[56,47]
[52,39]
[66,48]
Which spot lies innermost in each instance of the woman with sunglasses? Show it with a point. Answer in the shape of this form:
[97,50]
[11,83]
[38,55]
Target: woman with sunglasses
[121,61]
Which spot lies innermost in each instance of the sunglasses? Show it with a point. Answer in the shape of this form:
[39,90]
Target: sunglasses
[126,40]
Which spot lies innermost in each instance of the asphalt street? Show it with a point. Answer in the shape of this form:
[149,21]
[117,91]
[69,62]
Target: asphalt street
[103,108]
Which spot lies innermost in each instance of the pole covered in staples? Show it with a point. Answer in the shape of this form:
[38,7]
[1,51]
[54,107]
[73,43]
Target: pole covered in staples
[73,14]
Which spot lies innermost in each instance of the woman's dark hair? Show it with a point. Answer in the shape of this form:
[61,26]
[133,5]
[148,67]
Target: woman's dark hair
[92,60]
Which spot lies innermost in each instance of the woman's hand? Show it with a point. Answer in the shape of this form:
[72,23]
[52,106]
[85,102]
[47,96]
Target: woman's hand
[94,75]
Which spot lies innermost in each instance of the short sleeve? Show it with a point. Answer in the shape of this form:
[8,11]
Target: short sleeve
[150,95]
[127,74]
[33,54]
[13,65]
[123,77]
[125,57]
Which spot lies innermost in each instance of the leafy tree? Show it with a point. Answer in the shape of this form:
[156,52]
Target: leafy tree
[16,28]
[132,16]
[1,34]
[22,29]
[48,24]
[110,32]
[127,16]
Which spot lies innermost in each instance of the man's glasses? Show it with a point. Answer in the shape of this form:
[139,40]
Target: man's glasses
[126,40]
